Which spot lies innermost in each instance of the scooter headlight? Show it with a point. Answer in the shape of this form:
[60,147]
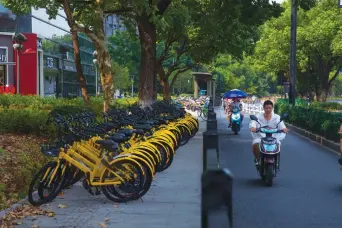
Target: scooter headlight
[235,116]
[270,147]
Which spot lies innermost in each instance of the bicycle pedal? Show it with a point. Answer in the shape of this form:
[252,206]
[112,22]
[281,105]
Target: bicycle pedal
[97,191]
[91,191]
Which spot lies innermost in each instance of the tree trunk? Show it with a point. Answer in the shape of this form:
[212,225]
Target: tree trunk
[166,90]
[147,76]
[98,37]
[318,91]
[73,27]
[164,82]
[104,62]
[81,79]
[326,93]
[105,69]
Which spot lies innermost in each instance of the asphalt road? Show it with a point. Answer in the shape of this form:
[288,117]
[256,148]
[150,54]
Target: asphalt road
[307,191]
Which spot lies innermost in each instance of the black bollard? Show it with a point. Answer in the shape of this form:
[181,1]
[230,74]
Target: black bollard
[217,197]
[211,113]
[211,122]
[210,141]
[211,125]
[211,103]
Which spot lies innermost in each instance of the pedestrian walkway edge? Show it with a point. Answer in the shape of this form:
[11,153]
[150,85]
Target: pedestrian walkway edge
[335,147]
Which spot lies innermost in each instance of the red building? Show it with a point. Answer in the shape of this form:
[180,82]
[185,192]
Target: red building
[23,69]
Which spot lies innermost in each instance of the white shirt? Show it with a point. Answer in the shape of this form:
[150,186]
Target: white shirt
[273,122]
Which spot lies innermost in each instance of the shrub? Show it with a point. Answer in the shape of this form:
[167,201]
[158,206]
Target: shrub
[327,105]
[313,119]
[299,101]
[29,114]
[18,164]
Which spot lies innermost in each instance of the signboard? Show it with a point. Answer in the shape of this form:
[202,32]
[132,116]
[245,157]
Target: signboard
[3,55]
[70,68]
[39,44]
[339,3]
[90,70]
[49,62]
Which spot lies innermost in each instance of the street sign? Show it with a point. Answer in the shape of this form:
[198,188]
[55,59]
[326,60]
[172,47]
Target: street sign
[339,3]
[3,55]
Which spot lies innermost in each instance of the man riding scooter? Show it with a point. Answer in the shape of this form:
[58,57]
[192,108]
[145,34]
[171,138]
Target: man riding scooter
[267,118]
[234,104]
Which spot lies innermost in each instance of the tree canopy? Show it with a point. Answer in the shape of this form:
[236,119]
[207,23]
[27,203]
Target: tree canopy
[318,47]
[234,73]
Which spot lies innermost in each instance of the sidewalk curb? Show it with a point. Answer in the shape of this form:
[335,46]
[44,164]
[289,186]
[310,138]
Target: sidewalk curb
[335,147]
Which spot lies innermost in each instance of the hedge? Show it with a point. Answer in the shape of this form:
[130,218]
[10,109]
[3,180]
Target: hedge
[313,119]
[28,114]
[319,105]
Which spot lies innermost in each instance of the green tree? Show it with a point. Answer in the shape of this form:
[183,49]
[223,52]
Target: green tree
[125,50]
[195,31]
[318,47]
[121,79]
[184,83]
[240,74]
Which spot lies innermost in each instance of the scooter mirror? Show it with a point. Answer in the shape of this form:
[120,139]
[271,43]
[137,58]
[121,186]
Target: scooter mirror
[284,116]
[253,117]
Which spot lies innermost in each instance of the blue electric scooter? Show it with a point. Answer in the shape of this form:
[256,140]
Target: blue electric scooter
[235,120]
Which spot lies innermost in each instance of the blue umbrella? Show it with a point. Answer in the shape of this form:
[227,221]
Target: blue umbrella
[234,93]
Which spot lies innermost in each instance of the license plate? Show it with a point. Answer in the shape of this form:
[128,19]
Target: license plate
[270,160]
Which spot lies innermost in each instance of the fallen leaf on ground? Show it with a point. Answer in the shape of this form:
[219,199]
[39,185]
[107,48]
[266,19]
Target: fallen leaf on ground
[116,205]
[34,226]
[106,219]
[61,194]
[61,206]
[102,225]
[51,214]
[10,219]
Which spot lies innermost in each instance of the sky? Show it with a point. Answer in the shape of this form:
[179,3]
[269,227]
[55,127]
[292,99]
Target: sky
[47,30]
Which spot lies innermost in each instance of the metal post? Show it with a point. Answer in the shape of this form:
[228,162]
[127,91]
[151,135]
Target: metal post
[96,82]
[18,70]
[132,80]
[309,74]
[62,77]
[293,52]
[219,81]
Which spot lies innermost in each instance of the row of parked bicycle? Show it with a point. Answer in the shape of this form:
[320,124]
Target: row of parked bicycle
[118,156]
[199,106]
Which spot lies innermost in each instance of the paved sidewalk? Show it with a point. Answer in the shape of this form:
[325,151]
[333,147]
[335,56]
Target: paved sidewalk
[172,201]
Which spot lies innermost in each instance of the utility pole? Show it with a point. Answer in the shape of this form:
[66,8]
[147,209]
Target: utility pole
[292,97]
[132,80]
[219,81]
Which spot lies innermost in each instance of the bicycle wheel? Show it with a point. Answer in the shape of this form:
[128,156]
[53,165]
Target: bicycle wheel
[185,135]
[44,191]
[204,115]
[133,188]
[72,176]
